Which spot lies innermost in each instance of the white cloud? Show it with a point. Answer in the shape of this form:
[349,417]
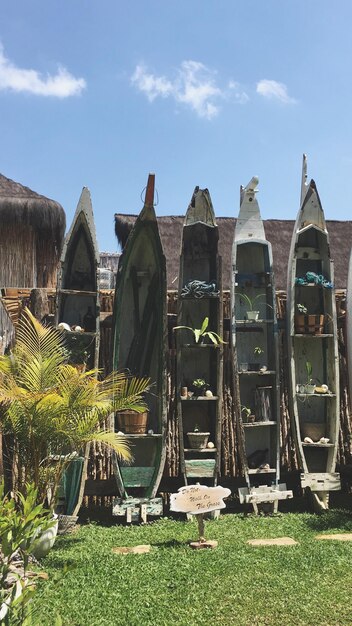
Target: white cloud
[61,85]
[273,89]
[193,86]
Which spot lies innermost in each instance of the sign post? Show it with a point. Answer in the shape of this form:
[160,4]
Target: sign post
[198,500]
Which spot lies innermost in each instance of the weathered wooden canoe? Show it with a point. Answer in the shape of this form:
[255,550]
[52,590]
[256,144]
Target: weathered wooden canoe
[78,303]
[313,348]
[256,355]
[200,297]
[348,321]
[139,345]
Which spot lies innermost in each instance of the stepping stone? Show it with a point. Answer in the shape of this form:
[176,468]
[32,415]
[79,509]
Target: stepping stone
[337,537]
[132,549]
[279,541]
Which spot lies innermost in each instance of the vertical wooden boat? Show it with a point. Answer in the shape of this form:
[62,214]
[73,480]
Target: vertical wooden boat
[348,321]
[313,348]
[139,346]
[200,267]
[256,356]
[78,304]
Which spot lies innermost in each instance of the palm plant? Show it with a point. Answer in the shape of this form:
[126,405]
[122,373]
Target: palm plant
[52,410]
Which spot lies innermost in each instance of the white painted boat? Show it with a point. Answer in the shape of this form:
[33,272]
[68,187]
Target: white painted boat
[313,348]
[256,355]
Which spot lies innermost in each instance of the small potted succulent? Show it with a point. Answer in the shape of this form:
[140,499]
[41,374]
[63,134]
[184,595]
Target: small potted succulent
[199,386]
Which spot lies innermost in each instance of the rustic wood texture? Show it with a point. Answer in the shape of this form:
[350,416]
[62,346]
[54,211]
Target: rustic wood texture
[101,486]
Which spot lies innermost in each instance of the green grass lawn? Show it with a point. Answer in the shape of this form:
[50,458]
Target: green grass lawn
[235,584]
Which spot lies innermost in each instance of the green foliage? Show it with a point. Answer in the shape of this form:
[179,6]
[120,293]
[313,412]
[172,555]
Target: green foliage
[52,409]
[21,521]
[302,309]
[235,584]
[251,301]
[201,333]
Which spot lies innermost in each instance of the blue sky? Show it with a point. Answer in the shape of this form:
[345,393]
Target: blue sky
[202,92]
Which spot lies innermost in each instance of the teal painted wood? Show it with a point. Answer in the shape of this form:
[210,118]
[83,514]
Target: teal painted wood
[140,334]
[124,507]
[310,252]
[137,476]
[199,261]
[255,343]
[200,468]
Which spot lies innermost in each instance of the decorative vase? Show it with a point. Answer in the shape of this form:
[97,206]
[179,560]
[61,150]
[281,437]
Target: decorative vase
[46,540]
[132,422]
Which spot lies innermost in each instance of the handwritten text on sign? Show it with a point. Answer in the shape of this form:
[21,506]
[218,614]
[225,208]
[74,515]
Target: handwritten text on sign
[196,499]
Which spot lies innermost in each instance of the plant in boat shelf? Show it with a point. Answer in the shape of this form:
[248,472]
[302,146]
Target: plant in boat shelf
[202,333]
[198,440]
[251,313]
[248,416]
[255,367]
[308,323]
[310,384]
[199,386]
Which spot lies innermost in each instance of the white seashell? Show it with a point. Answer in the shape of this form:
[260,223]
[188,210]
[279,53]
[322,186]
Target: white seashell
[325,387]
[77,329]
[210,445]
[64,326]
[151,432]
[324,440]
[208,393]
[308,440]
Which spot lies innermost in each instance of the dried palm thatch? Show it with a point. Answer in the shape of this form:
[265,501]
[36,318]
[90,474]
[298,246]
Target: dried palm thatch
[278,232]
[34,226]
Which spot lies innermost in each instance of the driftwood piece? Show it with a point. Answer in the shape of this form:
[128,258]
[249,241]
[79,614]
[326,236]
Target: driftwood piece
[39,303]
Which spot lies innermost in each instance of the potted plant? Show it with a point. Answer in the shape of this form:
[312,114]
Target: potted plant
[201,334]
[248,416]
[252,314]
[198,440]
[199,386]
[310,384]
[52,410]
[308,323]
[255,367]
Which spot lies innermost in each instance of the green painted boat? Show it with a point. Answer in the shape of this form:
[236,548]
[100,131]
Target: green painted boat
[139,346]
[200,297]
[78,306]
[313,348]
[77,288]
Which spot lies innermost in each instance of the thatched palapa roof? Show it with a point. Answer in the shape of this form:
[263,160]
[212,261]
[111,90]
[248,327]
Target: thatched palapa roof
[19,204]
[278,232]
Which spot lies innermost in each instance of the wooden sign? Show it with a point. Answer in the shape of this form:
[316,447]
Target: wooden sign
[198,499]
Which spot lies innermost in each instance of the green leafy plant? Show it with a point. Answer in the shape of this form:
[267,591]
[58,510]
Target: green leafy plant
[21,521]
[309,370]
[52,410]
[199,382]
[251,301]
[201,333]
[246,411]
